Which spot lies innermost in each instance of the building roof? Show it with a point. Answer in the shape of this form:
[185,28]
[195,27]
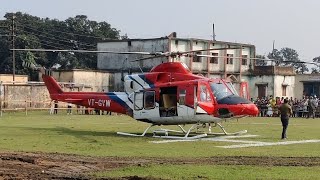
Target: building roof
[175,38]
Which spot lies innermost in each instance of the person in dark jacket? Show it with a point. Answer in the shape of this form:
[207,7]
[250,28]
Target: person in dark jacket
[285,112]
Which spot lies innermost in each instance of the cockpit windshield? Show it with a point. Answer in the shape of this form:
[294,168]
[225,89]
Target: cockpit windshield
[220,90]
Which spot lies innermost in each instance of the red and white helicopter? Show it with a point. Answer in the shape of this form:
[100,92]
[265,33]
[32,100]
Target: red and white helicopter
[167,95]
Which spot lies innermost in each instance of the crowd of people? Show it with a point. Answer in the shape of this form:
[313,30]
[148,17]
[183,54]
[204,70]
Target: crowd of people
[305,107]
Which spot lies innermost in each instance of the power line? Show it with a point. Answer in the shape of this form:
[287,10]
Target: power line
[45,43]
[90,36]
[61,40]
[56,38]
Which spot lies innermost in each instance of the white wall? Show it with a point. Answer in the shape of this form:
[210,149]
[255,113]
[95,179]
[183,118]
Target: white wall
[284,80]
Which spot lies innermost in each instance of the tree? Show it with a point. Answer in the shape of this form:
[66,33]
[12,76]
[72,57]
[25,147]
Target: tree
[315,70]
[288,57]
[33,32]
[260,61]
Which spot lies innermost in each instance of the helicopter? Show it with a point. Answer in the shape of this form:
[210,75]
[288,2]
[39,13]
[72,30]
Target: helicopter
[167,95]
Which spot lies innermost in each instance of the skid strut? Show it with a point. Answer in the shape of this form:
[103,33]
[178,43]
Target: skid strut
[136,135]
[225,132]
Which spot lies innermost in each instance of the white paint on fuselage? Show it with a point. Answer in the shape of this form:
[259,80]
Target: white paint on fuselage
[186,115]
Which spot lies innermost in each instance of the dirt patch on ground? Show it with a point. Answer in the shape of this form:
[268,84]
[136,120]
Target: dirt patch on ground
[64,166]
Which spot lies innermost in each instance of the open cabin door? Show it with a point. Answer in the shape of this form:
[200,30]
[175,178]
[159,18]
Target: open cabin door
[168,102]
[145,106]
[187,101]
[205,99]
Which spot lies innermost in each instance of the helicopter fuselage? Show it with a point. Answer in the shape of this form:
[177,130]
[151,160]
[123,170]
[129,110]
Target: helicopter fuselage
[167,95]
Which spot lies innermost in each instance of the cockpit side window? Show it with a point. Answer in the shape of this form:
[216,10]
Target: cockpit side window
[220,90]
[231,87]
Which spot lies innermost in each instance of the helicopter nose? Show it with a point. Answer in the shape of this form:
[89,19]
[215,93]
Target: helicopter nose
[251,109]
[239,106]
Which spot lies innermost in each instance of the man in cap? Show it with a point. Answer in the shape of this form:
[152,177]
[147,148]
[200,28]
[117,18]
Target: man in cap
[285,112]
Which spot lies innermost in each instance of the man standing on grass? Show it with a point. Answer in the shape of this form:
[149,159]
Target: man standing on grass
[285,112]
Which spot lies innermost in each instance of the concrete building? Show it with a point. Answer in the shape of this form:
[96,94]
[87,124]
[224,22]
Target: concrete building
[307,85]
[272,80]
[233,64]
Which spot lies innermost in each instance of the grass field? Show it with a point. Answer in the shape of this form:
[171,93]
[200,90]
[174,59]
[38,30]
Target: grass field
[95,135]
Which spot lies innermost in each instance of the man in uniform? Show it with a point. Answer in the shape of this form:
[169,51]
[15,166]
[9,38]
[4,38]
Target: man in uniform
[285,112]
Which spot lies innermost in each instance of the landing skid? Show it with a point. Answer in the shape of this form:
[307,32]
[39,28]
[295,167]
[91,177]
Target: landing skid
[186,136]
[225,133]
[136,135]
[164,133]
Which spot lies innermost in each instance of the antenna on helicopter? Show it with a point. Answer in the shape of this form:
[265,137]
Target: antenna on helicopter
[122,69]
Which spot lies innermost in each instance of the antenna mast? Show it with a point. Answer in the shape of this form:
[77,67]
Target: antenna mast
[213,33]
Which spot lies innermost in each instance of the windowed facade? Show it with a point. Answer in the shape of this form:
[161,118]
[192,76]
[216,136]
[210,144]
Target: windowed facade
[214,60]
[197,58]
[229,58]
[244,60]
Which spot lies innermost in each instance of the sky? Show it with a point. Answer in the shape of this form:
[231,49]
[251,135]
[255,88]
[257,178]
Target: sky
[290,23]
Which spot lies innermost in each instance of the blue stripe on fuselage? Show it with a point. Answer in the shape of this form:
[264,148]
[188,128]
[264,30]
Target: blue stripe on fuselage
[151,84]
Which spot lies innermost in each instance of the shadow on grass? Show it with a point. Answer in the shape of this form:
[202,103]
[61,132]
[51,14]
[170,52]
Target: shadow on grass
[81,134]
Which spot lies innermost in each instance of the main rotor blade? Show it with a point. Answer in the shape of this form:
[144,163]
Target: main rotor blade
[146,58]
[115,52]
[272,60]
[85,51]
[186,52]
[178,53]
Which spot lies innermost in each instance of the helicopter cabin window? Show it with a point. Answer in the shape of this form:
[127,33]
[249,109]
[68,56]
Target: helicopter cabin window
[197,58]
[138,100]
[229,58]
[204,94]
[214,60]
[182,97]
[149,99]
[244,60]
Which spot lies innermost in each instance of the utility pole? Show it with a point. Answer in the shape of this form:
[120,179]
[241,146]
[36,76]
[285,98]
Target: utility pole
[13,47]
[273,52]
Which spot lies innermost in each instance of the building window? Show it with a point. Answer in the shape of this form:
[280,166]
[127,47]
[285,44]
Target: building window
[214,60]
[229,59]
[284,90]
[197,58]
[244,60]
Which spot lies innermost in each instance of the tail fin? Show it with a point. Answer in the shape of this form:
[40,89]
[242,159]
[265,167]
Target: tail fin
[52,85]
[50,82]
